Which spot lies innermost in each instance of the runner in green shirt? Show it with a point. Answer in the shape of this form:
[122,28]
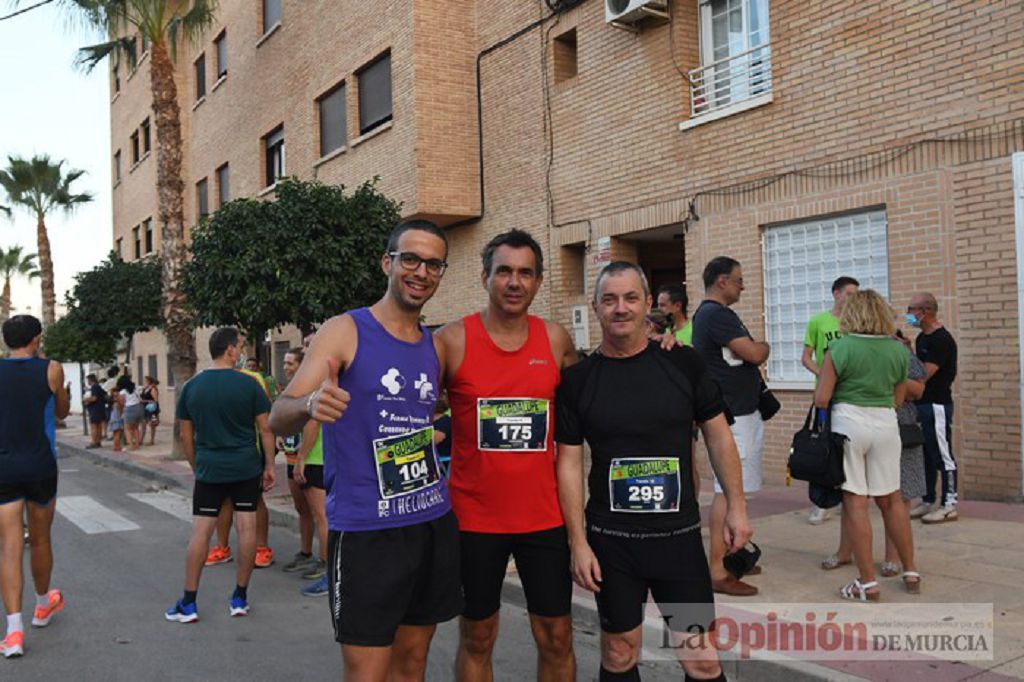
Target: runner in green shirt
[673,302]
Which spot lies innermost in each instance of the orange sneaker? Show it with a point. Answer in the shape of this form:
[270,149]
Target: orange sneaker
[264,556]
[44,614]
[218,555]
[13,645]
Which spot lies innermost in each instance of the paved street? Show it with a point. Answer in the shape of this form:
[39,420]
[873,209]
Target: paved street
[119,546]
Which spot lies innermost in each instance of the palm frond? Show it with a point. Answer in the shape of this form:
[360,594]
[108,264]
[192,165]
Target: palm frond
[119,48]
[190,25]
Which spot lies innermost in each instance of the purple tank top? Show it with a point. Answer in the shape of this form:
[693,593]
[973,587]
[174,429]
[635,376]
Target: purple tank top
[380,467]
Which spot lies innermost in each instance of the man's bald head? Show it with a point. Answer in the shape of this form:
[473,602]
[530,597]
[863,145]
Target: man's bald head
[925,301]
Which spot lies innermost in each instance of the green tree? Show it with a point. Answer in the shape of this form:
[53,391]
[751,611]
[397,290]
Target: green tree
[309,255]
[163,25]
[41,187]
[69,339]
[14,263]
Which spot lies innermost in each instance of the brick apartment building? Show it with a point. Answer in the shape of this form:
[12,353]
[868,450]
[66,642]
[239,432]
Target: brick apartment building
[807,140]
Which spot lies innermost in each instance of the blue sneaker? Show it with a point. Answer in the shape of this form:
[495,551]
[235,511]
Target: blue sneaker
[239,606]
[317,589]
[182,612]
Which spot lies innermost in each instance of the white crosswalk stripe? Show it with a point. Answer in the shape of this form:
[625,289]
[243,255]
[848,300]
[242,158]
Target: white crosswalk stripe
[171,503]
[91,516]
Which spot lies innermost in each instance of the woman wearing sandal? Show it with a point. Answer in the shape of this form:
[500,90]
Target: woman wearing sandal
[865,377]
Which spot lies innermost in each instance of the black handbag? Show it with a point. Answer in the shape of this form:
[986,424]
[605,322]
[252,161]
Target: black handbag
[816,455]
[767,404]
[911,435]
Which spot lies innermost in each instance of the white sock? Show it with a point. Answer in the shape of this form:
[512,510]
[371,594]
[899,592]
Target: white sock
[14,623]
[43,599]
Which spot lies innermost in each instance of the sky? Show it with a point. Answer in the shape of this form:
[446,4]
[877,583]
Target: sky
[47,106]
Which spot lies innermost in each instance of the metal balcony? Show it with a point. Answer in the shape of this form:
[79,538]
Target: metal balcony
[731,80]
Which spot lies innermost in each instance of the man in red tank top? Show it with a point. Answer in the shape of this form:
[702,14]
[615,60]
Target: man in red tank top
[503,366]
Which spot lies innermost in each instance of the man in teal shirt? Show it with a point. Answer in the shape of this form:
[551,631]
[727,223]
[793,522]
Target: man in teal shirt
[823,329]
[220,412]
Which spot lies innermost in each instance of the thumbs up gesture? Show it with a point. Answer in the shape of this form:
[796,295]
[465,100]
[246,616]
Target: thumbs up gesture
[327,403]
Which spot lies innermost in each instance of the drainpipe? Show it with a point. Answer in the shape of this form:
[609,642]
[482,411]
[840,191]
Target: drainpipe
[1018,212]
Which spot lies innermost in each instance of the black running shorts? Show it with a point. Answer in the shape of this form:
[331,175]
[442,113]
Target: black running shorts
[673,568]
[207,498]
[542,561]
[39,492]
[380,579]
[314,474]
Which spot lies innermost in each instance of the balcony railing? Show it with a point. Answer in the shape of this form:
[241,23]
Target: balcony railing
[731,80]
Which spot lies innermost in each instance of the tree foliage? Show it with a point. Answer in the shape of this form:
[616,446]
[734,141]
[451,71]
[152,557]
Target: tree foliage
[70,340]
[313,253]
[117,299]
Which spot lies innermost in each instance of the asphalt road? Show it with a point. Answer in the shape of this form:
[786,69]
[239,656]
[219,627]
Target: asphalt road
[119,553]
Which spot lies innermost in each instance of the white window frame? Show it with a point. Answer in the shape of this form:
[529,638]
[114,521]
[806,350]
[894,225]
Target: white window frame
[852,244]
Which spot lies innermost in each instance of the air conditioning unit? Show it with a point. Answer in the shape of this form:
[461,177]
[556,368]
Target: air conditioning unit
[629,13]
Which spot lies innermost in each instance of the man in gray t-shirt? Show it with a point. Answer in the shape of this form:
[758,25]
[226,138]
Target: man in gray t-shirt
[733,359]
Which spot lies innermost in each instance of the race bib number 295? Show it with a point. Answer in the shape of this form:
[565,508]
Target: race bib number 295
[644,484]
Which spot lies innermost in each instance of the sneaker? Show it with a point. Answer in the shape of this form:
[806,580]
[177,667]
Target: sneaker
[44,614]
[818,516]
[316,571]
[238,606]
[940,515]
[920,510]
[182,612]
[317,589]
[218,555]
[300,562]
[264,556]
[13,644]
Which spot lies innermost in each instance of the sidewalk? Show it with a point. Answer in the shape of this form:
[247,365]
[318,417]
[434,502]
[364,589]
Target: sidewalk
[979,559]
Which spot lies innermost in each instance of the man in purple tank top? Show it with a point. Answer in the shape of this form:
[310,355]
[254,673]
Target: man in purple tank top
[371,377]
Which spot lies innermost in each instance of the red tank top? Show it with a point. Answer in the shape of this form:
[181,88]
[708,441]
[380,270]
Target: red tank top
[503,453]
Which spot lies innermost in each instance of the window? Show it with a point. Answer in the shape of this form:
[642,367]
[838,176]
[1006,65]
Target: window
[115,74]
[375,94]
[138,362]
[223,186]
[280,350]
[119,247]
[170,372]
[221,43]
[801,260]
[135,147]
[200,67]
[735,54]
[117,166]
[564,56]
[274,145]
[147,228]
[271,14]
[333,121]
[151,366]
[202,199]
[138,242]
[145,136]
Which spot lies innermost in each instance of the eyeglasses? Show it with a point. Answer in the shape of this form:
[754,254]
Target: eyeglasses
[411,262]
[912,308]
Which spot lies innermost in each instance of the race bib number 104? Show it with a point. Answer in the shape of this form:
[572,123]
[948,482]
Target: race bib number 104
[405,463]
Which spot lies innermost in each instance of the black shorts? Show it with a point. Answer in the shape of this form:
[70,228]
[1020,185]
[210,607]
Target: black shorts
[542,560]
[380,579]
[673,568]
[314,474]
[207,498]
[39,492]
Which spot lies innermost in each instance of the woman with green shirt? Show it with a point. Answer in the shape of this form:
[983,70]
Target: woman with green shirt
[864,377]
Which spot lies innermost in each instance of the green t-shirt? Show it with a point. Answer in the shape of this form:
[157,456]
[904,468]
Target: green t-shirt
[822,330]
[316,454]
[222,405]
[685,335]
[868,369]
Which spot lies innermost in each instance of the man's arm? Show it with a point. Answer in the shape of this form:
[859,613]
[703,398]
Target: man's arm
[725,460]
[188,441]
[450,343]
[930,368]
[562,347]
[807,360]
[569,472]
[826,383]
[314,391]
[748,350]
[310,432]
[55,377]
[267,437]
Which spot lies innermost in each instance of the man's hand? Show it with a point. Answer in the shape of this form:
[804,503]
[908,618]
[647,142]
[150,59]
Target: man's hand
[737,530]
[586,571]
[299,471]
[330,401]
[669,341]
[269,479]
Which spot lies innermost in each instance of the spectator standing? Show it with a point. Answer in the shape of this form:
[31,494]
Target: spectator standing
[150,396]
[95,400]
[133,412]
[672,301]
[733,358]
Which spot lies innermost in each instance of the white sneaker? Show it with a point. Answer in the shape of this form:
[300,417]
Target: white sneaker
[920,510]
[818,516]
[940,515]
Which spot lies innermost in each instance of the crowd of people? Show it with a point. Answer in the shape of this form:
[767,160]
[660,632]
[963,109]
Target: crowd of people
[402,547]
[120,411]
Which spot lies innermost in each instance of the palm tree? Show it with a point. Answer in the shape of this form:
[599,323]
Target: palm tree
[162,24]
[41,186]
[14,263]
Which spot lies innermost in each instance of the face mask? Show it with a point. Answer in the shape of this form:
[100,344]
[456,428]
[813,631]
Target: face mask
[912,320]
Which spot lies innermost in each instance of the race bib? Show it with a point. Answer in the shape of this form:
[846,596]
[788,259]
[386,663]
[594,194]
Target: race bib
[405,463]
[644,484]
[512,424]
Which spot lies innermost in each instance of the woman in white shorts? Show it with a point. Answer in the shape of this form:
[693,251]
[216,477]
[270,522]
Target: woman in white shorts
[864,377]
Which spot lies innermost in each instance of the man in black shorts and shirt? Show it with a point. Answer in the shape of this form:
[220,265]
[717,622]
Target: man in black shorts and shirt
[636,406]
[936,349]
